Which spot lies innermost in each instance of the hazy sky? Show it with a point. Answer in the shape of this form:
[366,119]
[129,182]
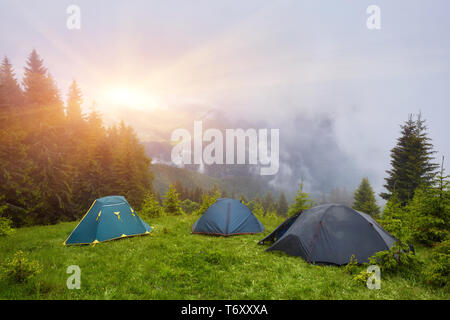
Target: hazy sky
[269,61]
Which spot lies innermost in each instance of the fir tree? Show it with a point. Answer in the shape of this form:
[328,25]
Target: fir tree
[74,101]
[411,161]
[172,203]
[39,87]
[268,201]
[282,205]
[180,190]
[10,92]
[365,199]
[151,207]
[301,202]
[429,211]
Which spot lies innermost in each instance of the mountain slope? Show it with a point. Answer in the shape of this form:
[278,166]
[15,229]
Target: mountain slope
[165,175]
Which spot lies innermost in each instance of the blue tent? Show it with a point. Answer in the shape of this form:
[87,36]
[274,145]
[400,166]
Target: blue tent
[227,217]
[108,218]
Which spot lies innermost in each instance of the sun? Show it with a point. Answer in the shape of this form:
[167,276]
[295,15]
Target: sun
[122,96]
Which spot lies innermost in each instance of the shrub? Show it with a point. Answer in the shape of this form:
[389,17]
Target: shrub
[207,201]
[399,258]
[352,265]
[395,219]
[256,207]
[189,206]
[362,277]
[172,202]
[437,271]
[430,214]
[5,226]
[20,269]
[151,207]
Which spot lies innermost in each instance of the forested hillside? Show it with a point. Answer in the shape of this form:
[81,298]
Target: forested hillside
[55,160]
[232,186]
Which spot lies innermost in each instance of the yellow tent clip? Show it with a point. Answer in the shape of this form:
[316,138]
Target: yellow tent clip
[95,241]
[99,214]
[117,214]
[123,235]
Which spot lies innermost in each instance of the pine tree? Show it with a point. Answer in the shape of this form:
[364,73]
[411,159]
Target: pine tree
[10,92]
[74,101]
[224,194]
[197,194]
[301,202]
[282,205]
[256,207]
[39,87]
[207,199]
[172,203]
[151,207]
[268,201]
[180,190]
[429,211]
[215,192]
[365,199]
[411,161]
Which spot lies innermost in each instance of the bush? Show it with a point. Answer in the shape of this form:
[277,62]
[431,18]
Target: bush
[20,269]
[207,201]
[395,219]
[172,202]
[352,265]
[5,226]
[256,207]
[397,259]
[437,271]
[362,277]
[151,207]
[189,206]
[430,214]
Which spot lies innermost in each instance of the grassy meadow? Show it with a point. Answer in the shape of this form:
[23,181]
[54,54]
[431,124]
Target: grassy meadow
[172,263]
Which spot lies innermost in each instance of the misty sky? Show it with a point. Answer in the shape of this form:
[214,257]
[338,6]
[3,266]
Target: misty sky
[263,61]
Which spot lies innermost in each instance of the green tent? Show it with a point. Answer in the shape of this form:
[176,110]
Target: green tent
[108,218]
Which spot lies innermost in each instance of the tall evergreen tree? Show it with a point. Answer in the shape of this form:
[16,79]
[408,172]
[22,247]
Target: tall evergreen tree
[282,205]
[268,201]
[411,161]
[74,101]
[180,190]
[10,92]
[39,87]
[365,199]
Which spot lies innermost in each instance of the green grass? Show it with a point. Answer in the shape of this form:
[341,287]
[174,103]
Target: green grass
[172,263]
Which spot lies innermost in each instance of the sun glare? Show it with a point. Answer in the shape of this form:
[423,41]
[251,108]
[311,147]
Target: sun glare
[129,97]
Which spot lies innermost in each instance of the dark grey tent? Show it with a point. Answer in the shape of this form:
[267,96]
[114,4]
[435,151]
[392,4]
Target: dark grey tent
[330,234]
[227,217]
